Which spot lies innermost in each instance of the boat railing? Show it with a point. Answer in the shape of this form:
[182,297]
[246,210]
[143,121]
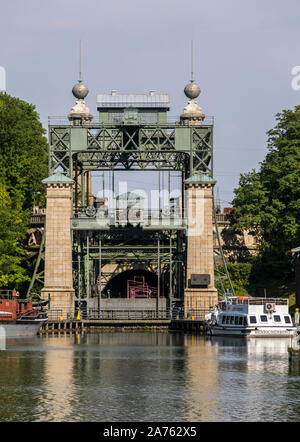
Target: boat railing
[12,295]
[239,301]
[258,301]
[6,294]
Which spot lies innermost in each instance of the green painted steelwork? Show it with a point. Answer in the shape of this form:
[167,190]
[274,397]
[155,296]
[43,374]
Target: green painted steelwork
[129,146]
[120,147]
[157,246]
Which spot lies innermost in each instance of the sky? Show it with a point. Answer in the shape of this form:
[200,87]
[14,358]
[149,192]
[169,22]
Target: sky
[244,53]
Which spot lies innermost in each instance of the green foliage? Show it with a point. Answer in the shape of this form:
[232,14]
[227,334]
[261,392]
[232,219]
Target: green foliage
[267,203]
[12,232]
[292,302]
[240,278]
[23,164]
[23,151]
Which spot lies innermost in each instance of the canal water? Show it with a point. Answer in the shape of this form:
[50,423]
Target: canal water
[152,376]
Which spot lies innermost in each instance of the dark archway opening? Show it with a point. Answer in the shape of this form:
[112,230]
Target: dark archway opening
[135,283]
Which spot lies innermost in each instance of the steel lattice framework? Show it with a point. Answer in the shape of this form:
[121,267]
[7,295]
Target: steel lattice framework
[163,147]
[78,150]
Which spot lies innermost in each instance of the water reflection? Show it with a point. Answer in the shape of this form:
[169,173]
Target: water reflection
[200,380]
[58,402]
[253,377]
[148,376]
[129,376]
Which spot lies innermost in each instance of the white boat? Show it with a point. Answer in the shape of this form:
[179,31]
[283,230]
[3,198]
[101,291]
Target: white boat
[251,317]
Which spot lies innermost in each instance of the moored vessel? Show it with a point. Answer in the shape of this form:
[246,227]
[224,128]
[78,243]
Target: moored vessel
[251,317]
[18,317]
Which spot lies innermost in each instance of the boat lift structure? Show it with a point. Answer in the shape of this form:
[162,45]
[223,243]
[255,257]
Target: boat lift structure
[132,133]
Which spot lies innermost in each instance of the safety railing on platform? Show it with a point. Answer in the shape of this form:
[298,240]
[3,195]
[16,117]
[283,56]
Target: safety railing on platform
[95,314]
[57,314]
[129,314]
[122,314]
[178,312]
[105,216]
[172,120]
[196,315]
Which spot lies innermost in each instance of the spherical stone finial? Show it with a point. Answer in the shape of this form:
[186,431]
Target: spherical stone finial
[80,91]
[192,90]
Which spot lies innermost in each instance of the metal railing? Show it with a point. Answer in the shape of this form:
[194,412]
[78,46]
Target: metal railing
[120,314]
[196,314]
[224,218]
[56,314]
[37,219]
[129,314]
[6,294]
[134,216]
[13,294]
[171,120]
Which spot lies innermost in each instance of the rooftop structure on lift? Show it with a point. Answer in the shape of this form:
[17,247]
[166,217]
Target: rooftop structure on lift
[133,109]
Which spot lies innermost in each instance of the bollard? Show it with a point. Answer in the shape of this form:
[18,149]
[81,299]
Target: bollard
[297,316]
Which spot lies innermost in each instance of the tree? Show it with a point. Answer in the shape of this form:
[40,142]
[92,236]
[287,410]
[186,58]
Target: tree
[239,273]
[267,202]
[12,253]
[23,165]
[23,151]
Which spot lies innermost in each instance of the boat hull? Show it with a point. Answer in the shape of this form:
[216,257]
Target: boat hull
[246,332]
[21,327]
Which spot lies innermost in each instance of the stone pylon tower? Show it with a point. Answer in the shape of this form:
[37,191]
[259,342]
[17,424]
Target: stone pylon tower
[200,293]
[58,281]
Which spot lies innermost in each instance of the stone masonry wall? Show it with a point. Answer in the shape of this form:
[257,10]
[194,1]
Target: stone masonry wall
[200,258]
[58,249]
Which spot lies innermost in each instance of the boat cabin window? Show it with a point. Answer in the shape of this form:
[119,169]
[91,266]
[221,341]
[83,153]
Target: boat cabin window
[253,320]
[287,319]
[277,318]
[263,318]
[234,320]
